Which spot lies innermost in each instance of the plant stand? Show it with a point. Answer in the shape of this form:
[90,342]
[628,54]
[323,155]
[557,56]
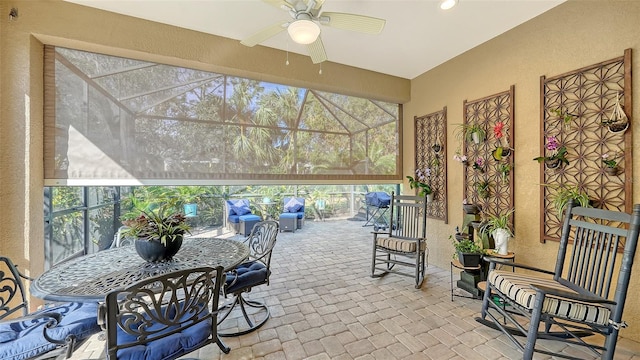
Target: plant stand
[470,276]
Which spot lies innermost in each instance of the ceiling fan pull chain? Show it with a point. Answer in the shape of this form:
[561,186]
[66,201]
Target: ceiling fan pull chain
[320,72]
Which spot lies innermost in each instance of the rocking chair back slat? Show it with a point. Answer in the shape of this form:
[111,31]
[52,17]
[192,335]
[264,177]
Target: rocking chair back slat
[403,216]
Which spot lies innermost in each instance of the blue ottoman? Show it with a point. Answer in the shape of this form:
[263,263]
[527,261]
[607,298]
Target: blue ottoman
[247,222]
[288,222]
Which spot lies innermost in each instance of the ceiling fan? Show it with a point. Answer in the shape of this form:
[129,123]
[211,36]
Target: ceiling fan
[304,28]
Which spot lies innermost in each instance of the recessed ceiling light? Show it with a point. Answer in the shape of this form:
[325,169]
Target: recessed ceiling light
[447,4]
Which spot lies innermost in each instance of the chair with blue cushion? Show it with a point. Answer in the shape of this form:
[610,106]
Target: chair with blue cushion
[55,331]
[255,271]
[163,317]
[295,206]
[239,218]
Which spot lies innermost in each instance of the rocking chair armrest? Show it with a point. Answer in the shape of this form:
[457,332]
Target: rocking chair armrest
[571,295]
[507,262]
[376,233]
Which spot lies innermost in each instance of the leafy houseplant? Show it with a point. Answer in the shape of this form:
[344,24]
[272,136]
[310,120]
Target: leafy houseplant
[471,132]
[618,121]
[158,232]
[564,193]
[564,116]
[557,154]
[500,228]
[504,170]
[482,187]
[611,165]
[468,252]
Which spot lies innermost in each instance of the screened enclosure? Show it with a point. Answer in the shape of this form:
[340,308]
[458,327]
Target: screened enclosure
[111,120]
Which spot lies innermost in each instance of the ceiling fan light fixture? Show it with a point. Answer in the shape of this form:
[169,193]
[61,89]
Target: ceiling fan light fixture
[303,31]
[447,4]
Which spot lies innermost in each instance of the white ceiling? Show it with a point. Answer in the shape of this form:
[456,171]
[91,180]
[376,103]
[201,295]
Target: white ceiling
[418,35]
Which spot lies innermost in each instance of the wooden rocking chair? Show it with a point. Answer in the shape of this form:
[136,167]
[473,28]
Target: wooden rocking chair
[574,300]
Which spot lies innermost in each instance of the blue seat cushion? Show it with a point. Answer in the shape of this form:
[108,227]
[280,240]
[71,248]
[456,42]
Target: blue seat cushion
[79,319]
[238,207]
[234,219]
[293,205]
[288,216]
[249,218]
[168,347]
[246,275]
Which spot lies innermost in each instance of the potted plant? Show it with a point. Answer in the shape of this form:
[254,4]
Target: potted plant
[557,154]
[460,158]
[469,208]
[500,228]
[502,148]
[618,121]
[189,196]
[468,252]
[479,164]
[436,147]
[564,116]
[471,132]
[560,198]
[158,232]
[611,165]
[504,170]
[420,182]
[482,187]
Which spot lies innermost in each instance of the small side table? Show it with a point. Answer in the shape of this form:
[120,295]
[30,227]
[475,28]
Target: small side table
[458,265]
[510,256]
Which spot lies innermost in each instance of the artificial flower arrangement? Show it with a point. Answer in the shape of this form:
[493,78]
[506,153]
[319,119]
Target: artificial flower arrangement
[460,158]
[611,164]
[420,182]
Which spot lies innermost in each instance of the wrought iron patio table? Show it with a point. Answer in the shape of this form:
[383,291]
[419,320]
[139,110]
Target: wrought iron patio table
[91,277]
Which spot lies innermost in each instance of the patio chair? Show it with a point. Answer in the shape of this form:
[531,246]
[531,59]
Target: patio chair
[55,331]
[239,218]
[404,241]
[255,271]
[583,296]
[292,216]
[163,317]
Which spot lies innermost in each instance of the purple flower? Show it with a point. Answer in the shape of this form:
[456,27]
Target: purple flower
[552,143]
[480,162]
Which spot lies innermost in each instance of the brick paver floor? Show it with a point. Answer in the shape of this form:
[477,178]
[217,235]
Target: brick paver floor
[324,305]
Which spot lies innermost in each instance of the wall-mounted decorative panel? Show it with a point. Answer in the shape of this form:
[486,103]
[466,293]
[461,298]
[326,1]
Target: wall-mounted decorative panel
[431,152]
[575,110]
[488,174]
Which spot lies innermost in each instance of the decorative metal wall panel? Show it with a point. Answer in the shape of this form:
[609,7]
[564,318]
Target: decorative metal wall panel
[431,152]
[487,113]
[585,98]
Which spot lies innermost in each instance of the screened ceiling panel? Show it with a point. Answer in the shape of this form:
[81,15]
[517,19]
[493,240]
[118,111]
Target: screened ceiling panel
[114,120]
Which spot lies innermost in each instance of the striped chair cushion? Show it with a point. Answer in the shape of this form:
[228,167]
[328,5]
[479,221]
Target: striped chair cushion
[516,287]
[401,245]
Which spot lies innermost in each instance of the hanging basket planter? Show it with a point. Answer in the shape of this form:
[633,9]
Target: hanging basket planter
[552,163]
[613,171]
[618,128]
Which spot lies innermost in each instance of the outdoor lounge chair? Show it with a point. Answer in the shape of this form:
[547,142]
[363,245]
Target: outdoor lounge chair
[404,242]
[53,332]
[292,216]
[584,295]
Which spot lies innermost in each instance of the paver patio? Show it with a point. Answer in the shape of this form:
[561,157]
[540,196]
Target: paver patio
[324,305]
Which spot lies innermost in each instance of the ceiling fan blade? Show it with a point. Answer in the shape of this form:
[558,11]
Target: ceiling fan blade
[353,22]
[264,34]
[316,51]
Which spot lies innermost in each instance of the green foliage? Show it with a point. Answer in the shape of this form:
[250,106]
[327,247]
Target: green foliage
[563,193]
[465,132]
[162,224]
[498,221]
[566,117]
[482,187]
[466,246]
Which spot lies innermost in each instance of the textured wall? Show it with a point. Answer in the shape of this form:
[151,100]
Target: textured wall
[570,36]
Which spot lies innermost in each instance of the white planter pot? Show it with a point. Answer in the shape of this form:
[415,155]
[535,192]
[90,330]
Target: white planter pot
[476,137]
[501,237]
[430,197]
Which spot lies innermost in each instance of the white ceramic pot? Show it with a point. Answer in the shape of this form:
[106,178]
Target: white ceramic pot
[500,238]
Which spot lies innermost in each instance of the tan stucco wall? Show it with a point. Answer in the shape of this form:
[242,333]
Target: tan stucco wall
[568,37]
[65,24]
